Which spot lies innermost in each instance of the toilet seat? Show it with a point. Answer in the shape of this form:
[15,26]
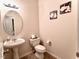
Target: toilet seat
[40,48]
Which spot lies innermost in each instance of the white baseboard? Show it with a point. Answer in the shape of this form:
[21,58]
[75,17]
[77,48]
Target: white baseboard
[53,55]
[26,54]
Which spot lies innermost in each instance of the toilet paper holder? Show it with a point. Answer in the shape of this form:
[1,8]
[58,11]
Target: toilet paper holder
[49,43]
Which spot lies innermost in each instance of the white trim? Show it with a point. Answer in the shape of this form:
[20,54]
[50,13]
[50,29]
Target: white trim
[26,54]
[53,55]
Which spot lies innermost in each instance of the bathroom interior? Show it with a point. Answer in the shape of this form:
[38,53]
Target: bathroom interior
[39,29]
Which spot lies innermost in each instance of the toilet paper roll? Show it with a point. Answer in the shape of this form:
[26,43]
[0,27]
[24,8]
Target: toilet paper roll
[48,43]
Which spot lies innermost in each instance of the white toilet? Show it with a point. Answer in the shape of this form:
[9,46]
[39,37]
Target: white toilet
[40,49]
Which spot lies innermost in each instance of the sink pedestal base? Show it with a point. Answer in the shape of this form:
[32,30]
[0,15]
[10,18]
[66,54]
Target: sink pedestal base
[15,53]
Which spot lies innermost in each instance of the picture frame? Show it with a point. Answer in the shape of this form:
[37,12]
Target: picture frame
[53,14]
[65,8]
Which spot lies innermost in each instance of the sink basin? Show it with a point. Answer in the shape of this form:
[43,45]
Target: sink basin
[11,43]
[14,45]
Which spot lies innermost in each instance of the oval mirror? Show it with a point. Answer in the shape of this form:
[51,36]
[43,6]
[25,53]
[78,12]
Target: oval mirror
[12,23]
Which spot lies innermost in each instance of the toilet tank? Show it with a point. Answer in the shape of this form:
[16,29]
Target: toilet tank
[35,42]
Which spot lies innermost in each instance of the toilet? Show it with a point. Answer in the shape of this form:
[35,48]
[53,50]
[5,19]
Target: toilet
[40,49]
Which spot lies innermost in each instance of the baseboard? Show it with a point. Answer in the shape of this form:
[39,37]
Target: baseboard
[57,57]
[26,54]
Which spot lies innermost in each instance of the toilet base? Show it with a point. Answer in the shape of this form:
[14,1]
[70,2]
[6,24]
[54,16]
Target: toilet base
[39,55]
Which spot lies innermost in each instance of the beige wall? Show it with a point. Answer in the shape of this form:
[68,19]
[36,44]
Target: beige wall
[62,32]
[30,24]
[28,9]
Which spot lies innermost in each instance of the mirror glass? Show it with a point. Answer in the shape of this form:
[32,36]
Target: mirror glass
[12,23]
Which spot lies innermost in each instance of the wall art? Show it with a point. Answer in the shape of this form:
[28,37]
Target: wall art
[53,14]
[65,8]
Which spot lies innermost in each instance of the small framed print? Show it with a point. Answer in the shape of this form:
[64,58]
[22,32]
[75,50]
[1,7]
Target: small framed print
[65,8]
[53,15]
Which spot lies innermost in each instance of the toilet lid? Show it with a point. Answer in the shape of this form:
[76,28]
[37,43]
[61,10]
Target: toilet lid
[40,47]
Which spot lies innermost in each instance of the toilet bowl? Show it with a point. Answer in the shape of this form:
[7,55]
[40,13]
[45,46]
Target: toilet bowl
[40,49]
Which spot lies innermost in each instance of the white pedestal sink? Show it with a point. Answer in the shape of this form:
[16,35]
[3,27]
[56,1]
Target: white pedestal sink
[14,44]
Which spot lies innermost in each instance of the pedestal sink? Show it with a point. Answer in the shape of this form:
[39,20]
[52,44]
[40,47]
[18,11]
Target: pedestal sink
[14,45]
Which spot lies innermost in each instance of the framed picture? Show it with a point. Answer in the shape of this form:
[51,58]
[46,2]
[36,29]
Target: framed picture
[53,15]
[65,8]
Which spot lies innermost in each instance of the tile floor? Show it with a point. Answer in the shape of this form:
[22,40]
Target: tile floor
[32,56]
